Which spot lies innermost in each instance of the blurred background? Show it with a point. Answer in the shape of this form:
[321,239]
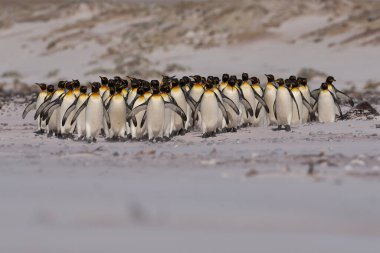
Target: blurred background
[47,41]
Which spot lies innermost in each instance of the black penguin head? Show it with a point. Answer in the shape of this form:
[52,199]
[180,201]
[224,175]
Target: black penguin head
[94,87]
[280,82]
[96,84]
[216,80]
[231,81]
[233,77]
[155,84]
[186,79]
[140,90]
[61,84]
[124,83]
[210,79]
[197,78]
[117,78]
[245,77]
[182,82]
[134,83]
[69,85]
[118,89]
[239,82]
[112,83]
[303,81]
[112,90]
[225,78]
[76,84]
[324,86]
[255,80]
[209,85]
[330,80]
[270,78]
[83,89]
[165,88]
[104,80]
[41,85]
[175,82]
[288,83]
[146,86]
[50,88]
[293,78]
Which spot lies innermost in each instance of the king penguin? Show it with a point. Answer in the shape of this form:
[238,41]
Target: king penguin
[36,103]
[325,105]
[269,97]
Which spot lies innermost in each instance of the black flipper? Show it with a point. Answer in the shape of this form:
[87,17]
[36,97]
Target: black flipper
[258,109]
[79,110]
[47,116]
[42,106]
[337,104]
[107,117]
[108,102]
[314,94]
[261,100]
[28,108]
[247,106]
[137,109]
[143,120]
[294,99]
[222,108]
[196,110]
[176,109]
[306,103]
[231,103]
[69,110]
[343,97]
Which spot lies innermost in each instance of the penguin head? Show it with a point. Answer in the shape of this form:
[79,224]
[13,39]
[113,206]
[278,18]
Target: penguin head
[140,91]
[239,82]
[324,86]
[76,84]
[245,77]
[134,83]
[303,82]
[155,84]
[165,88]
[197,78]
[124,83]
[50,88]
[231,81]
[175,82]
[94,88]
[255,80]
[146,86]
[270,78]
[225,78]
[69,85]
[111,83]
[118,89]
[330,80]
[233,77]
[288,83]
[216,80]
[210,79]
[61,84]
[182,82]
[83,89]
[112,90]
[293,78]
[41,85]
[209,85]
[104,80]
[203,80]
[117,78]
[186,79]
[280,82]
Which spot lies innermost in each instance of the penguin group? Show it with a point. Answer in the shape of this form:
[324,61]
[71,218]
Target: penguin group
[136,109]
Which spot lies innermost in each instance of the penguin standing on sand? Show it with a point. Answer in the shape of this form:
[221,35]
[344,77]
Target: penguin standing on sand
[258,120]
[304,89]
[117,110]
[67,100]
[178,94]
[80,123]
[269,97]
[95,113]
[297,104]
[325,105]
[283,106]
[138,131]
[209,106]
[155,113]
[36,103]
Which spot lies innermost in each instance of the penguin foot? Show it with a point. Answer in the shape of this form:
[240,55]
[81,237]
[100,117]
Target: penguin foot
[50,134]
[287,128]
[182,132]
[166,139]
[39,132]
[212,134]
[279,128]
[206,135]
[233,130]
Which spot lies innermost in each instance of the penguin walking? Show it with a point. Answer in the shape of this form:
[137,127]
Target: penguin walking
[154,110]
[178,94]
[80,123]
[169,114]
[36,103]
[130,97]
[232,104]
[138,131]
[209,106]
[283,106]
[196,92]
[304,89]
[117,109]
[297,104]
[258,120]
[67,100]
[325,105]
[269,97]
[95,113]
